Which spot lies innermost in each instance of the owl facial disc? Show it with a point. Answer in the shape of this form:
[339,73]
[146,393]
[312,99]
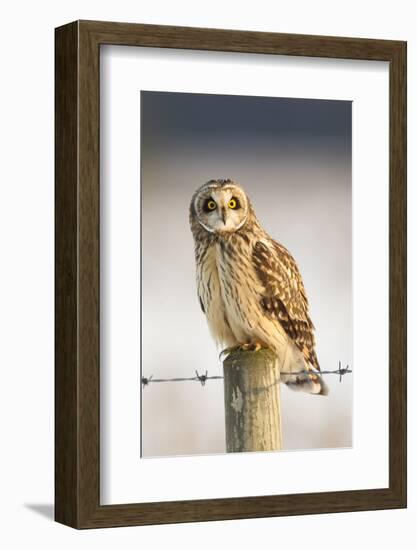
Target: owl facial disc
[220,206]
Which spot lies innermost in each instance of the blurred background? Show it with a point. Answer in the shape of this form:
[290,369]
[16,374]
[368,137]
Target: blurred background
[293,158]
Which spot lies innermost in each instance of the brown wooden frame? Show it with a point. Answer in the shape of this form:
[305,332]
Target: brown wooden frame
[77,372]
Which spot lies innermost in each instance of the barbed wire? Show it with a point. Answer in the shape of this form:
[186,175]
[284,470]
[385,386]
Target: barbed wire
[202,378]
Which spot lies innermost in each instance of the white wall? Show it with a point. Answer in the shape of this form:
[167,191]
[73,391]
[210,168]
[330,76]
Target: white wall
[26,289]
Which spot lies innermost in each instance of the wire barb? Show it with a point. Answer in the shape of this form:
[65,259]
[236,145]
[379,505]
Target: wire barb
[146,381]
[202,378]
[344,371]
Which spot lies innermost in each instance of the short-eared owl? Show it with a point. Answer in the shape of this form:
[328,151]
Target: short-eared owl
[249,286]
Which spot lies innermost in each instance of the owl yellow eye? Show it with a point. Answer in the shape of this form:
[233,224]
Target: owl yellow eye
[211,205]
[232,204]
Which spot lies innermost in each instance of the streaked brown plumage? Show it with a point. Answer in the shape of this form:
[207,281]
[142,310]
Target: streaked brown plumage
[249,285]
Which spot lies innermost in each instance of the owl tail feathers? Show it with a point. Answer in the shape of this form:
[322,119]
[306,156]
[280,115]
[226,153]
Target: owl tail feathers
[309,381]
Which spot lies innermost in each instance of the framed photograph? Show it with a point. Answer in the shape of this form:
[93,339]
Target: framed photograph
[230,274]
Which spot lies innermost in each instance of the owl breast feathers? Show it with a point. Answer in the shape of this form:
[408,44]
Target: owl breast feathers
[249,286]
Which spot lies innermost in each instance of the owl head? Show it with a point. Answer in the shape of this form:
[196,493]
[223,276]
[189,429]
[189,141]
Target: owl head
[220,206]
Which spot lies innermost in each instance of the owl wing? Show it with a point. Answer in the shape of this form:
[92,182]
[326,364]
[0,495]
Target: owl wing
[284,297]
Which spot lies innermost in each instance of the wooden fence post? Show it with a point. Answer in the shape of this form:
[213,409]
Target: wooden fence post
[252,401]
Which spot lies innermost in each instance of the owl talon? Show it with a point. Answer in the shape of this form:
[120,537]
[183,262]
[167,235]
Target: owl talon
[227,351]
[253,346]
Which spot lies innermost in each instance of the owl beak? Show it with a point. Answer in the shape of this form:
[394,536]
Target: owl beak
[224,215]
